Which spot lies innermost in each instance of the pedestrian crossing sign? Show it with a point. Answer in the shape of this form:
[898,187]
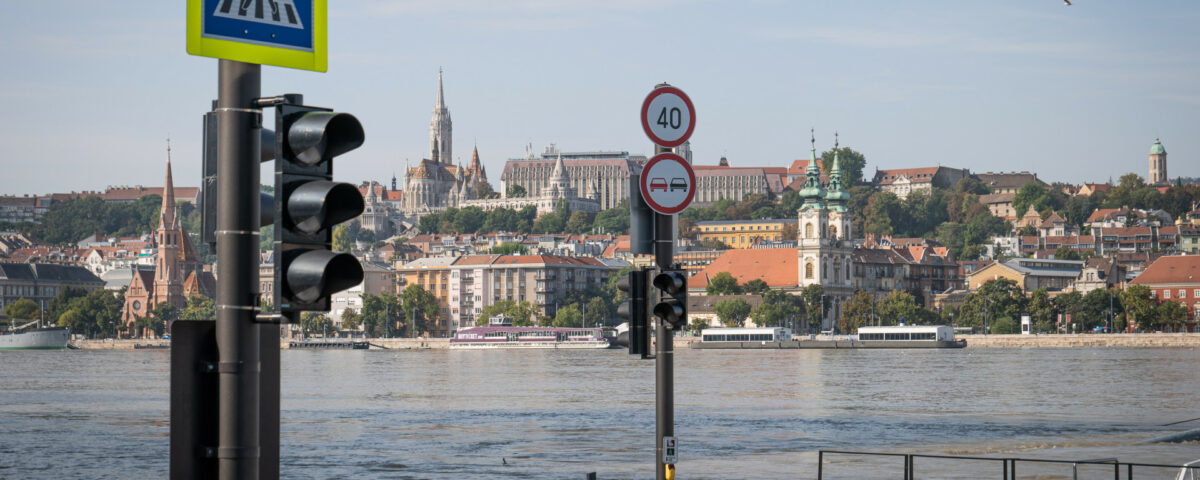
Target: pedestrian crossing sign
[283,33]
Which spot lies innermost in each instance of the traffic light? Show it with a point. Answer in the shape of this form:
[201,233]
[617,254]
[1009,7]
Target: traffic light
[672,305]
[309,204]
[633,310]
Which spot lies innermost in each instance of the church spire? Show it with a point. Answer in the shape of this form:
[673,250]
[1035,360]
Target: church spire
[837,195]
[441,128]
[167,216]
[441,100]
[813,192]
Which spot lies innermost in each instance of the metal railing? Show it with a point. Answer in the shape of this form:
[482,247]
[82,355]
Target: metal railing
[1008,465]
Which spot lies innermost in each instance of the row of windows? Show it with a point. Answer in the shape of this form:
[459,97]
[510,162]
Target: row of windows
[756,337]
[897,336]
[1182,293]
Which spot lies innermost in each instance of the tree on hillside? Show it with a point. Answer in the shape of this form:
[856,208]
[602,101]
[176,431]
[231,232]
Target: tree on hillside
[615,220]
[723,284]
[516,191]
[850,162]
[508,248]
[343,241]
[578,222]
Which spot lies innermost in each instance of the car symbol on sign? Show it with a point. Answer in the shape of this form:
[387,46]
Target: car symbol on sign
[658,184]
[678,184]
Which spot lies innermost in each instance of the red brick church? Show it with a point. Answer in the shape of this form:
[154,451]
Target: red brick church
[178,271]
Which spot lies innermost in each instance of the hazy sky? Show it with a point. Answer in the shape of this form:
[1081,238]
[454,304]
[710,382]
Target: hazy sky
[91,90]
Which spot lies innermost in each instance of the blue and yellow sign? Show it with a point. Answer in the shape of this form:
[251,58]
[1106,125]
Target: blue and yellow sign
[284,33]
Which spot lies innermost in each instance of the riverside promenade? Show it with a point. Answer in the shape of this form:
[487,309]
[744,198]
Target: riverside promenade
[1120,340]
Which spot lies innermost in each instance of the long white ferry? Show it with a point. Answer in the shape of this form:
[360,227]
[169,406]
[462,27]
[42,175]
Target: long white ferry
[900,336]
[501,334]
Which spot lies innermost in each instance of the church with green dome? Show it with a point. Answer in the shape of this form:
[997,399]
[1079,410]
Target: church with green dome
[825,236]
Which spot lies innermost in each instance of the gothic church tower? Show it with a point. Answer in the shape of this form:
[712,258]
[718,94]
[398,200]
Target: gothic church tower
[440,129]
[168,274]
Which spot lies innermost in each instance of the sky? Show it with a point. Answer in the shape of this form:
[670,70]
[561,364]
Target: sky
[92,90]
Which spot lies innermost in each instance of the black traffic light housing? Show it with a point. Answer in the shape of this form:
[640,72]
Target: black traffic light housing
[308,204]
[635,310]
[672,305]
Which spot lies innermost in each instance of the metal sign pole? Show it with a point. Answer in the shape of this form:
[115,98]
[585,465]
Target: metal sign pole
[664,371]
[239,121]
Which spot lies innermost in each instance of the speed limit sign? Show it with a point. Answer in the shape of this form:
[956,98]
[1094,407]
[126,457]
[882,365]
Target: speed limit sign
[668,116]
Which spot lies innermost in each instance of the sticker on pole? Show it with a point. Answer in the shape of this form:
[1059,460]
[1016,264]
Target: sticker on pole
[668,183]
[668,116]
[668,449]
[283,33]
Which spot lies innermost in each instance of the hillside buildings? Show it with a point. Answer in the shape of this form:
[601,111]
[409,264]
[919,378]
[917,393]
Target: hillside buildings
[41,282]
[903,181]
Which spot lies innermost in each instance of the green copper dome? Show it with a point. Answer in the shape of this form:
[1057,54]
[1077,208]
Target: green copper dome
[1157,148]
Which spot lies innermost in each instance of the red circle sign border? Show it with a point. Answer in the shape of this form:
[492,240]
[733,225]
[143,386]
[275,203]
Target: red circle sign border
[646,124]
[691,179]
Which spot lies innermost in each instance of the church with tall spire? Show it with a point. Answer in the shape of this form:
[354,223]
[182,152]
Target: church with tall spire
[437,183]
[178,271]
[825,232]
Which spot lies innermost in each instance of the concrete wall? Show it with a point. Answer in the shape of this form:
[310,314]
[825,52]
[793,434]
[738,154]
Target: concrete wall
[1084,340]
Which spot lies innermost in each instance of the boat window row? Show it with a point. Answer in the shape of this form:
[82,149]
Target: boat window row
[756,337]
[898,336]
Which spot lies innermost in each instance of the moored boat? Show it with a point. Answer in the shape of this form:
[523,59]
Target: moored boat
[899,336]
[501,334]
[53,338]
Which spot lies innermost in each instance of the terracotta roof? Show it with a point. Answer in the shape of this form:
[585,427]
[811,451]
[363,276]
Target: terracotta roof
[800,164]
[779,267]
[1178,269]
[1101,214]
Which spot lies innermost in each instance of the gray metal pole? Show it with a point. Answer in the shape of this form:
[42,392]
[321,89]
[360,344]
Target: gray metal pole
[238,141]
[664,372]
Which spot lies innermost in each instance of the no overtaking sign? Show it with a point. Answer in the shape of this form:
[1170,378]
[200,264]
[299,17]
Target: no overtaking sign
[668,183]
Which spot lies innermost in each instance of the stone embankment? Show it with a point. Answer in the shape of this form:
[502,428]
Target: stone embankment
[395,343]
[1125,340]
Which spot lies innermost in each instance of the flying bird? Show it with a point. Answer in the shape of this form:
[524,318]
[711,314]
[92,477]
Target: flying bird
[1068,2]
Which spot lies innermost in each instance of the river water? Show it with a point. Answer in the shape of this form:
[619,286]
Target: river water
[761,414]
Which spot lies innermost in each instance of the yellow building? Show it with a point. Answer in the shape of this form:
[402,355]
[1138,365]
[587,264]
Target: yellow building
[433,275]
[746,233]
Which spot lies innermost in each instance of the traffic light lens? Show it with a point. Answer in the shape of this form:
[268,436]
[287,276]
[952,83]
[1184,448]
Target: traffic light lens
[670,311]
[319,136]
[319,273]
[314,206]
[670,282]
